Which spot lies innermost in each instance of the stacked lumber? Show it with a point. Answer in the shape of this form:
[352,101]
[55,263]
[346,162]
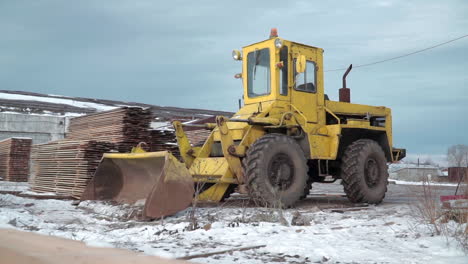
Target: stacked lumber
[125,127]
[14,159]
[64,167]
[198,137]
[164,140]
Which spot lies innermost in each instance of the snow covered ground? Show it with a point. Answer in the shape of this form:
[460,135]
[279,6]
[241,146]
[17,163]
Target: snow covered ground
[335,231]
[14,186]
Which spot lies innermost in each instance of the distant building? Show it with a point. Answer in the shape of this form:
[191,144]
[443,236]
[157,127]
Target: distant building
[411,172]
[40,128]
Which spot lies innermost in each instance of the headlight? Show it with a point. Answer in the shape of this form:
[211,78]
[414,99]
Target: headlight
[278,43]
[236,55]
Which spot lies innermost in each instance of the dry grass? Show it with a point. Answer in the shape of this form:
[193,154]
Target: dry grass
[192,214]
[449,222]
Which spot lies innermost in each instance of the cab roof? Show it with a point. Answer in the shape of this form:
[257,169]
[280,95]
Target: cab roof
[292,42]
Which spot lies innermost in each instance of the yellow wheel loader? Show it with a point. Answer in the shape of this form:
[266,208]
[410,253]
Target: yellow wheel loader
[287,135]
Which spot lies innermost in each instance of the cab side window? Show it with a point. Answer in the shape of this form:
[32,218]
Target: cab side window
[305,81]
[283,74]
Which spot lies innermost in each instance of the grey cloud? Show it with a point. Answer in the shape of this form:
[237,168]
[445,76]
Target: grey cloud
[178,53]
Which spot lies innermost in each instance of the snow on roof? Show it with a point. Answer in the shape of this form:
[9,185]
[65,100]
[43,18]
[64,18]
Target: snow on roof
[164,126]
[35,103]
[46,113]
[67,101]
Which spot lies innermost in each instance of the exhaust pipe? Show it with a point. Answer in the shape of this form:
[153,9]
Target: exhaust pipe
[345,93]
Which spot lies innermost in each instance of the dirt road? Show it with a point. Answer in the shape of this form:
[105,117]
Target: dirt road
[18,247]
[329,196]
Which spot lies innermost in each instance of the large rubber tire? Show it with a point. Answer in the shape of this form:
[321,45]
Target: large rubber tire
[364,172]
[313,174]
[276,171]
[307,189]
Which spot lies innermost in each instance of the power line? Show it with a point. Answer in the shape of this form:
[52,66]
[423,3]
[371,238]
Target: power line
[401,56]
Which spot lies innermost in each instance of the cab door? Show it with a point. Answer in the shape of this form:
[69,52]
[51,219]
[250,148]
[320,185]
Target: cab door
[304,89]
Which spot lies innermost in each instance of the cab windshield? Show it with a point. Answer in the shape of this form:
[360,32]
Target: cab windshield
[258,73]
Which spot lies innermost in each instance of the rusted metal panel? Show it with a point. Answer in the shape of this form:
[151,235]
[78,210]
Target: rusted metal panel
[345,92]
[345,95]
[456,173]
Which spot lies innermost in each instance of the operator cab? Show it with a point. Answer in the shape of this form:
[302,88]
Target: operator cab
[280,70]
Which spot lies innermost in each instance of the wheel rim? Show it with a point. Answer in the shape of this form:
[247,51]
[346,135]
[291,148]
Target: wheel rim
[371,172]
[281,171]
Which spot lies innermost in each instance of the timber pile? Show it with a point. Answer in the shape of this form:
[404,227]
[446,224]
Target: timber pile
[125,127]
[64,167]
[164,140]
[14,159]
[198,137]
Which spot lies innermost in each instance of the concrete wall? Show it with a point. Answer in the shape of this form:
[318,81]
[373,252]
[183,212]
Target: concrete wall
[40,128]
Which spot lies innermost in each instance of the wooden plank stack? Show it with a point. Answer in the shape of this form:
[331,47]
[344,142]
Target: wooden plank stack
[14,159]
[198,137]
[164,140]
[64,167]
[126,127]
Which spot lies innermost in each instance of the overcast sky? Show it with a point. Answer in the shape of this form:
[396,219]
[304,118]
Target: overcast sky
[178,53]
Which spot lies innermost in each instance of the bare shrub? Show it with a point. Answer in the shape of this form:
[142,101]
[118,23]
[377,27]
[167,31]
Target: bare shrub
[6,200]
[457,227]
[457,155]
[427,208]
[272,212]
[449,222]
[461,216]
[192,214]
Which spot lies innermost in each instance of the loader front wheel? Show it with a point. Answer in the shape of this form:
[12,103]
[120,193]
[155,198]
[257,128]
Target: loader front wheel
[276,171]
[364,172]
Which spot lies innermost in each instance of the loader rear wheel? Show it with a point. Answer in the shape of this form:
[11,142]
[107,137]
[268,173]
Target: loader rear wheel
[276,171]
[364,172]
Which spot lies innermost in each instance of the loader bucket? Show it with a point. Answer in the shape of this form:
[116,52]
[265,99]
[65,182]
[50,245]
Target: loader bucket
[156,179]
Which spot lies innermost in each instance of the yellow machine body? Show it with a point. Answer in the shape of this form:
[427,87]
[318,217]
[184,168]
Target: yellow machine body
[288,105]
[291,111]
